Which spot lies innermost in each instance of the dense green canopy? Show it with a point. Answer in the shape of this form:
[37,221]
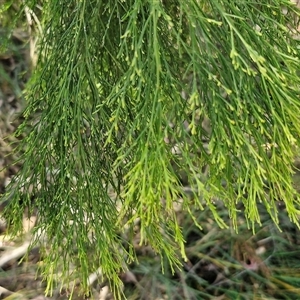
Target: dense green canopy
[129,95]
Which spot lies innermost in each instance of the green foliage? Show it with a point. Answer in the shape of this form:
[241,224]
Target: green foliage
[108,127]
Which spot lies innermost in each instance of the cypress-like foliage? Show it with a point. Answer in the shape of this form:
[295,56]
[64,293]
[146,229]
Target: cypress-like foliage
[124,97]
